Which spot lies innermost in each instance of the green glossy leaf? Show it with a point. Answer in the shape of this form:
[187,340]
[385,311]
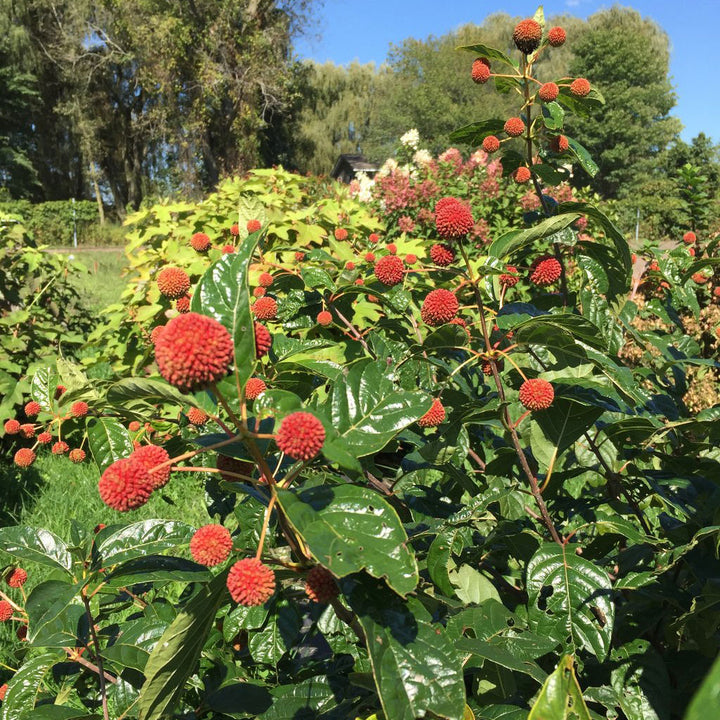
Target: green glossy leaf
[570,598]
[316,277]
[113,545]
[242,699]
[553,116]
[368,410]
[278,636]
[641,682]
[133,389]
[109,441]
[416,668]
[706,700]
[24,686]
[501,656]
[439,558]
[310,698]
[54,611]
[176,654]
[474,133]
[583,157]
[134,644]
[43,387]
[348,529]
[697,265]
[62,712]
[515,240]
[38,545]
[488,52]
[561,697]
[223,293]
[158,568]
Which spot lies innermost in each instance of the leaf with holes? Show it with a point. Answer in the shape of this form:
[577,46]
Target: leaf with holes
[561,697]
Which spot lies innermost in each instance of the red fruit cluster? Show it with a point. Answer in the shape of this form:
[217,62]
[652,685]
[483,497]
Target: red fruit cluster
[527,35]
[341,234]
[59,448]
[522,175]
[514,126]
[32,409]
[16,578]
[453,219]
[149,457]
[301,436]
[200,242]
[580,87]
[391,248]
[253,226]
[6,610]
[559,144]
[24,457]
[320,585]
[263,340]
[510,278]
[373,238]
[259,292]
[266,279]
[77,455]
[79,409]
[324,318]
[548,92]
[349,265]
[390,270]
[434,416]
[545,271]
[235,229]
[59,391]
[228,249]
[491,144]
[536,394]
[254,388]
[197,416]
[134,426]
[12,427]
[211,545]
[265,308]
[44,438]
[3,690]
[442,255]
[369,257]
[480,72]
[410,259]
[440,306]
[155,333]
[689,237]
[194,351]
[27,430]
[250,582]
[182,305]
[125,485]
[173,282]
[556,36]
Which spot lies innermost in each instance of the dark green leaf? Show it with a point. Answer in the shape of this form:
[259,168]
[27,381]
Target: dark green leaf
[278,636]
[515,240]
[38,545]
[706,700]
[23,687]
[501,656]
[488,52]
[54,611]
[474,133]
[133,646]
[561,697]
[641,682]
[348,529]
[133,389]
[109,441]
[310,698]
[158,568]
[583,157]
[43,387]
[553,116]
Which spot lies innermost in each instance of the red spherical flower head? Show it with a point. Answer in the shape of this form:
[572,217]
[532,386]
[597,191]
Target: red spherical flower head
[6,610]
[442,255]
[559,144]
[77,455]
[699,278]
[259,292]
[689,237]
[250,582]
[392,248]
[480,72]
[125,485]
[200,242]
[349,265]
[3,691]
[134,426]
[434,416]
[440,306]
[32,409]
[182,305]
[545,271]
[266,279]
[373,238]
[194,351]
[341,234]
[16,578]
[60,390]
[44,438]
[299,256]
[527,35]
[253,226]
[173,282]
[556,36]
[27,430]
[522,175]
[265,308]
[24,457]
[254,388]
[301,436]
[390,270]
[716,291]
[228,249]
[491,144]
[197,416]
[510,278]
[410,259]
[263,340]
[691,252]
[514,126]
[12,427]
[211,545]
[59,448]
[453,219]
[548,92]
[155,333]
[149,457]
[370,257]
[235,229]
[229,467]
[536,394]
[580,87]
[360,281]
[324,318]
[320,585]
[79,409]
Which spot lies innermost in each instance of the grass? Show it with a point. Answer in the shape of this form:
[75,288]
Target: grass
[54,492]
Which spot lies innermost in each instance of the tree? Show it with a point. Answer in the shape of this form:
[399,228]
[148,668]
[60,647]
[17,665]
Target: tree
[626,57]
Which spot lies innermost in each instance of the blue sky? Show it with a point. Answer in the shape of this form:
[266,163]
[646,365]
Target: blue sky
[363,30]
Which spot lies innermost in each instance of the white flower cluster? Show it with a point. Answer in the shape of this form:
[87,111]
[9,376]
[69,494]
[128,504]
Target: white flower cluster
[365,186]
[422,157]
[411,139]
